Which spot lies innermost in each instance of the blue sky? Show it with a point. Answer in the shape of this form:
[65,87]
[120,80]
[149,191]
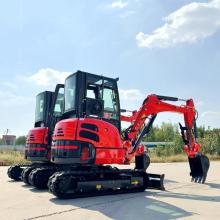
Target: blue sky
[154,46]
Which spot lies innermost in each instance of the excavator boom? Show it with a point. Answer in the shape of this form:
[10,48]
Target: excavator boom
[154,104]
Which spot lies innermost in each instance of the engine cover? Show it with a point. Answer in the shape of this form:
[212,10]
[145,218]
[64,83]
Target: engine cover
[87,140]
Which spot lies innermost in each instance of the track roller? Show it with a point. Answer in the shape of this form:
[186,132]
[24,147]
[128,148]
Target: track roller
[59,184]
[25,174]
[39,177]
[14,172]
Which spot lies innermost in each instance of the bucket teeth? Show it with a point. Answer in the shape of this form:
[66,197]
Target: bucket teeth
[204,179]
[199,167]
[199,179]
[195,179]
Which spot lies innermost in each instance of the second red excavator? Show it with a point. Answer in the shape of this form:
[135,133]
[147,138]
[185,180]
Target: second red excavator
[38,144]
[90,138]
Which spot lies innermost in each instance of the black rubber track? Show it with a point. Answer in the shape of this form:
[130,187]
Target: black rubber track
[14,172]
[25,174]
[60,185]
[39,177]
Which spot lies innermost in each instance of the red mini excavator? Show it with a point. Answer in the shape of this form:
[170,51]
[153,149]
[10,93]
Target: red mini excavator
[38,144]
[90,139]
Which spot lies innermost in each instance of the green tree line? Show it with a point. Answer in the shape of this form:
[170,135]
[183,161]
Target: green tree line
[167,132]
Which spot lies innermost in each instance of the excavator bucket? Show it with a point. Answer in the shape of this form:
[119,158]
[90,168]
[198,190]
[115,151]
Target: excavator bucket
[156,181]
[199,166]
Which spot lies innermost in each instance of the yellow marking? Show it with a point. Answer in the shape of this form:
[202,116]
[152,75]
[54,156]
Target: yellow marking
[98,187]
[135,182]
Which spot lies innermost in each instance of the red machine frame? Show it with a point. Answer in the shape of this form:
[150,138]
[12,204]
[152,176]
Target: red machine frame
[115,150]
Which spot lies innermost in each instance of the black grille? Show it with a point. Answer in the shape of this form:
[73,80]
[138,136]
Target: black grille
[66,153]
[59,132]
[35,152]
[90,127]
[31,137]
[89,135]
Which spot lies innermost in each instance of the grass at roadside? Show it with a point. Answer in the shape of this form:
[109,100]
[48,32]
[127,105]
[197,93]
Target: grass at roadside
[167,159]
[9,157]
[177,158]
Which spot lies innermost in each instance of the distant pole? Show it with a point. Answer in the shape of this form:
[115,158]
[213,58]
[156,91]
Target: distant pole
[6,136]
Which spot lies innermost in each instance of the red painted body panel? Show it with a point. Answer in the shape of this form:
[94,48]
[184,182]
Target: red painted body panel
[37,136]
[36,142]
[108,134]
[65,147]
[84,154]
[108,150]
[110,156]
[65,129]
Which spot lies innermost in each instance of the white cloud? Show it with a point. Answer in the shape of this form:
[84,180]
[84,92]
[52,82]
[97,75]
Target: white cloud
[127,14]
[119,4]
[10,99]
[131,95]
[211,114]
[188,24]
[48,77]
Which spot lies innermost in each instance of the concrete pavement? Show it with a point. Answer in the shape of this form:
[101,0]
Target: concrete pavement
[181,200]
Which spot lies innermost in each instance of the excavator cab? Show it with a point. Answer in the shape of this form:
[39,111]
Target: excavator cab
[43,103]
[102,99]
[97,97]
[91,101]
[36,143]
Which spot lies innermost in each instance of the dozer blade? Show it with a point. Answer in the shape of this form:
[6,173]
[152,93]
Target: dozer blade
[199,166]
[156,181]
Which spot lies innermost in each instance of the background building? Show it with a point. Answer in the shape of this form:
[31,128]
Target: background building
[8,139]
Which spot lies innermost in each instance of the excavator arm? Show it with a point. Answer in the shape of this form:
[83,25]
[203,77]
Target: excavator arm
[154,104]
